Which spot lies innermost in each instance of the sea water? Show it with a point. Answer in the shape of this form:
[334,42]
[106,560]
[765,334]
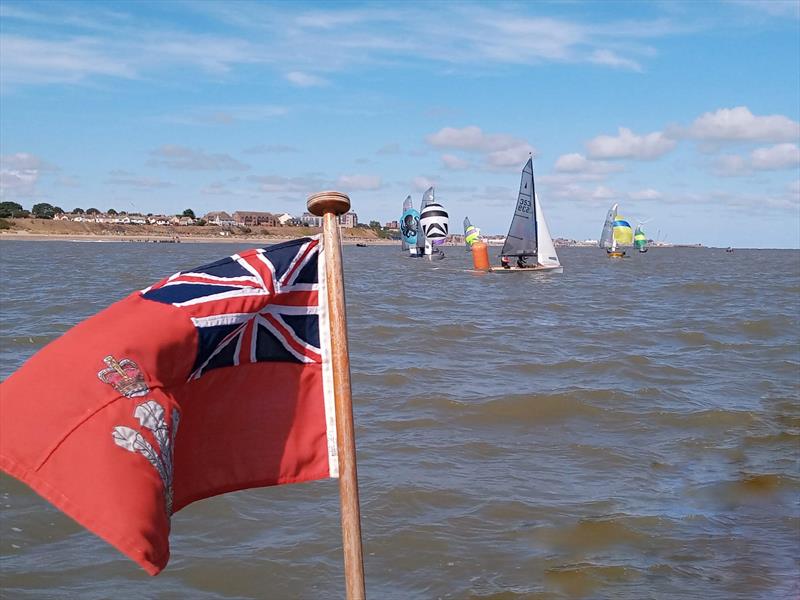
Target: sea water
[627,429]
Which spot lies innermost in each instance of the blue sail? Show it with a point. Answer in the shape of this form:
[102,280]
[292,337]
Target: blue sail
[409,225]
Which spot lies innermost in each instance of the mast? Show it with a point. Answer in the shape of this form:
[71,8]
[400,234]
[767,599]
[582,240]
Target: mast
[329,205]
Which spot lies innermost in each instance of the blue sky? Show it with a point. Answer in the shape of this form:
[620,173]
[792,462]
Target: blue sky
[685,113]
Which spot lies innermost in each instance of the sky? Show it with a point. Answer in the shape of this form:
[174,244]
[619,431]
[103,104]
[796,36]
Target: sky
[684,113]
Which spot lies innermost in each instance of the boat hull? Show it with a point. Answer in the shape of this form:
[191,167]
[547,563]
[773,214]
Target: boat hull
[536,269]
[616,254]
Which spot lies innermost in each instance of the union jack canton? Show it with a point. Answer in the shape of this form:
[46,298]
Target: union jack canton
[257,306]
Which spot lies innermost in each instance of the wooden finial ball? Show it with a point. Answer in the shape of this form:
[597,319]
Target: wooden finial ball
[325,202]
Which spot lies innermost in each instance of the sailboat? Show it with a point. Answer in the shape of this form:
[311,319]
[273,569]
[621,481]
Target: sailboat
[616,231]
[409,228]
[434,222]
[471,234]
[528,236]
[640,239]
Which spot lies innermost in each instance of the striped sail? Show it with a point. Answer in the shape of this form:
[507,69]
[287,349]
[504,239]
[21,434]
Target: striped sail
[434,221]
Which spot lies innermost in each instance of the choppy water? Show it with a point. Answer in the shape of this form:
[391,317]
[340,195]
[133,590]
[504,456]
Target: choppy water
[629,429]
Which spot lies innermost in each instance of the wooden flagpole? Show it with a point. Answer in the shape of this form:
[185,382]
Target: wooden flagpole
[329,205]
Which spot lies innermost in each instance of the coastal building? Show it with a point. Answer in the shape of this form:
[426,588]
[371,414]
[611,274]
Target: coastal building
[284,218]
[219,217]
[248,218]
[392,225]
[347,220]
[310,220]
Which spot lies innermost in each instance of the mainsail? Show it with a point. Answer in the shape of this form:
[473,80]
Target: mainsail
[521,238]
[471,233]
[427,198]
[409,225]
[607,237]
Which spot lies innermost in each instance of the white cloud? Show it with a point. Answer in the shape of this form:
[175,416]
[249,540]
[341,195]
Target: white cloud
[514,157]
[731,165]
[124,178]
[781,156]
[630,145]
[454,163]
[20,173]
[471,138]
[422,183]
[18,182]
[773,158]
[289,40]
[577,163]
[180,157]
[611,59]
[302,79]
[646,194]
[271,149]
[359,182]
[24,60]
[601,192]
[499,150]
[299,186]
[773,8]
[740,125]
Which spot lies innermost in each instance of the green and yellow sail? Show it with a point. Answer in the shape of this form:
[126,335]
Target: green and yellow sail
[639,239]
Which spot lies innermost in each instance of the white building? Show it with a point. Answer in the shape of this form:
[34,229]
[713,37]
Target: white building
[219,217]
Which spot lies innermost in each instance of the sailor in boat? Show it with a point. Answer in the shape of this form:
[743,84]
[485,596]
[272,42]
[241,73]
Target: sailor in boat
[505,262]
[521,262]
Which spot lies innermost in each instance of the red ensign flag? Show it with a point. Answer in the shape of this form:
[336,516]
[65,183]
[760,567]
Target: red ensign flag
[213,380]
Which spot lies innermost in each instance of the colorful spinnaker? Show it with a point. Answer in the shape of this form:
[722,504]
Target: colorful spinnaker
[409,226]
[623,234]
[640,239]
[616,232]
[471,233]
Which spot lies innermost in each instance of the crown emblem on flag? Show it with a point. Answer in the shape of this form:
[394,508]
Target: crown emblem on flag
[125,376]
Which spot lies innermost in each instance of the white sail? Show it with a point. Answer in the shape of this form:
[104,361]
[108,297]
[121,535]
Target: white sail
[546,250]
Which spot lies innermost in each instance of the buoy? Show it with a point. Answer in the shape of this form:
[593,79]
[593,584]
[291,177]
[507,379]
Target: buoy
[480,256]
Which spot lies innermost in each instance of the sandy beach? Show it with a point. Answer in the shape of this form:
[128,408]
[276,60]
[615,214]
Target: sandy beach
[192,239]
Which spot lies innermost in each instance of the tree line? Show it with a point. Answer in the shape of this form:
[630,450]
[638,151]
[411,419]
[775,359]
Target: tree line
[43,210]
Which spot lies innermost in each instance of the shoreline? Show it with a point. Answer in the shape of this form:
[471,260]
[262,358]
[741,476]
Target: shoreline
[157,239]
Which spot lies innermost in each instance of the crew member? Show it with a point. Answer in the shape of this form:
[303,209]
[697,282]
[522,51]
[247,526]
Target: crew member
[505,262]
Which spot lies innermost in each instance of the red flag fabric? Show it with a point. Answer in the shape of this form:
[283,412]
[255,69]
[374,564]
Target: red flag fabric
[213,380]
